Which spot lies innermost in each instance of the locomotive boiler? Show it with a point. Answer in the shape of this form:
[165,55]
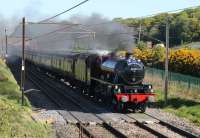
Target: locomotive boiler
[127,71]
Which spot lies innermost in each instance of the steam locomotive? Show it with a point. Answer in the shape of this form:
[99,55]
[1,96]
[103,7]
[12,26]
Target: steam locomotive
[106,77]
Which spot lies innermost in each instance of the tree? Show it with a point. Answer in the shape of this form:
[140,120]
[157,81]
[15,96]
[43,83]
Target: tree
[141,45]
[184,26]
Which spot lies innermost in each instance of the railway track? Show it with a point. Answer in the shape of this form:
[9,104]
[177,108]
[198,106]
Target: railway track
[144,119]
[90,130]
[151,126]
[159,127]
[174,128]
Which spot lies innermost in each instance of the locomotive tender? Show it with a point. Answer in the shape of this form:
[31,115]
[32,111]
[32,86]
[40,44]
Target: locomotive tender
[114,80]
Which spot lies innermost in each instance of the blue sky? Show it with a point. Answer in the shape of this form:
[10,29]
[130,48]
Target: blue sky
[37,9]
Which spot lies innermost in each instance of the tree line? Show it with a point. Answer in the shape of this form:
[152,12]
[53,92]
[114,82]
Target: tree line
[184,26]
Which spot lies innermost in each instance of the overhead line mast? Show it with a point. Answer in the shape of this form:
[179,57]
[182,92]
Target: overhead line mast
[6,37]
[23,60]
[166,61]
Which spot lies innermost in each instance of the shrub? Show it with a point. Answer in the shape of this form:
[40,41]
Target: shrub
[186,61]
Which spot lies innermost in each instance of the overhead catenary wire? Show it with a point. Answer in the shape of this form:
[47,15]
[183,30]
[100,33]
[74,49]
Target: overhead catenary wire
[142,17]
[49,33]
[150,37]
[63,11]
[96,35]
[171,11]
[109,22]
[42,21]
[46,34]
[47,23]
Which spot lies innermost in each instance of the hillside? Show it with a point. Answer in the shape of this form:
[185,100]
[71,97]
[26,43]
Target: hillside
[184,26]
[15,120]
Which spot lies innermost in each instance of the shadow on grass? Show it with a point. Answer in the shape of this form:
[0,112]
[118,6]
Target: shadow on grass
[176,103]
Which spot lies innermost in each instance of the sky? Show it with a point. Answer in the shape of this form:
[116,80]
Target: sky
[40,9]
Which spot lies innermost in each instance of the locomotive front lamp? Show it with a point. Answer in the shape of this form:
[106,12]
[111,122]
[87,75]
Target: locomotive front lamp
[150,87]
[119,90]
[151,99]
[124,99]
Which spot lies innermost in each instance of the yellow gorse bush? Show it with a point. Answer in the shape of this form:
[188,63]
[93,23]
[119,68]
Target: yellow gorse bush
[183,60]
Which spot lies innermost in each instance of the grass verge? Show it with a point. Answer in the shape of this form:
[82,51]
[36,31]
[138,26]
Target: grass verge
[181,107]
[15,120]
[182,101]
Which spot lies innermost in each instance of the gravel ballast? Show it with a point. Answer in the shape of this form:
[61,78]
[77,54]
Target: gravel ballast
[177,121]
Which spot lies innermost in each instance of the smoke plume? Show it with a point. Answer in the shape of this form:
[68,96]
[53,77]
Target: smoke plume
[109,34]
[79,32]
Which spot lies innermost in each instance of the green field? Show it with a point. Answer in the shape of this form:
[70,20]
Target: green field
[181,107]
[195,45]
[182,100]
[15,120]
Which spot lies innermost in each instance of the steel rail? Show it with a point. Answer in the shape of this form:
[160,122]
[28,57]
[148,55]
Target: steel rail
[174,128]
[145,127]
[79,124]
[76,102]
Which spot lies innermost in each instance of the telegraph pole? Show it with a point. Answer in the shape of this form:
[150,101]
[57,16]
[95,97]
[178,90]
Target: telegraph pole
[23,60]
[6,37]
[140,29]
[2,52]
[166,61]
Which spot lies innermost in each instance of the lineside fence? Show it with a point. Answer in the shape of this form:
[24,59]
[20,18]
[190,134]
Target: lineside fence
[179,84]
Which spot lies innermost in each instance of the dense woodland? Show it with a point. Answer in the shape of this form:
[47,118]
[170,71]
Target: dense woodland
[184,26]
